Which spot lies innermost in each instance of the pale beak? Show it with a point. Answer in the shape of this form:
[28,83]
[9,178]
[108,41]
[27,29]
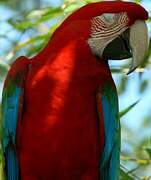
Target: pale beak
[139,43]
[132,43]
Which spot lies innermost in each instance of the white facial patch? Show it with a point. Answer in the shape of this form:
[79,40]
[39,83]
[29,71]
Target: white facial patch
[106,28]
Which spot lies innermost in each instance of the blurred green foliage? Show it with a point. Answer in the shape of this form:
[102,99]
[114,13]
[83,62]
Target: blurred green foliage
[35,27]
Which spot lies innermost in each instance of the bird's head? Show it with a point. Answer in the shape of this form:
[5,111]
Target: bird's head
[117,30]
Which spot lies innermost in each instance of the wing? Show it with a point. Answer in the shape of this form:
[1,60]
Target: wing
[12,106]
[110,160]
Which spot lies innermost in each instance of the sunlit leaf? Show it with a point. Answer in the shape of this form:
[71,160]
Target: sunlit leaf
[31,41]
[38,13]
[126,110]
[148,151]
[122,85]
[137,1]
[3,70]
[30,23]
[146,122]
[144,86]
[33,50]
[149,19]
[73,6]
[116,70]
[125,176]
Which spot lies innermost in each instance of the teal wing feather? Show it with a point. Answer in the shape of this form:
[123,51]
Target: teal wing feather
[110,160]
[12,97]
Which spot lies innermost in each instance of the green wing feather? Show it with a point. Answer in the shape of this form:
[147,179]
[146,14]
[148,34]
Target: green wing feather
[110,160]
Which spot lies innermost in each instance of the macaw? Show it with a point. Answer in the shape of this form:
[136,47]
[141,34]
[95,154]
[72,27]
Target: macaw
[60,107]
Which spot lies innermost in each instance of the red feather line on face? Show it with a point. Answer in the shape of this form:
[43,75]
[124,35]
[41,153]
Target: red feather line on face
[104,27]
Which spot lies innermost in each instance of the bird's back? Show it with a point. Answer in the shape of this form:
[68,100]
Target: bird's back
[60,134]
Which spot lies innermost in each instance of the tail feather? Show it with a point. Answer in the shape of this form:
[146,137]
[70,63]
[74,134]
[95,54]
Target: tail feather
[11,164]
[110,171]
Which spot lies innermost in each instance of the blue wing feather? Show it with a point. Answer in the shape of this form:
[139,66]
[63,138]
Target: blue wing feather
[110,160]
[10,107]
[11,99]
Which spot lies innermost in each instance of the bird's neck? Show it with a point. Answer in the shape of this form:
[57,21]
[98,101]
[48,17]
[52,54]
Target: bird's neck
[65,35]
[68,49]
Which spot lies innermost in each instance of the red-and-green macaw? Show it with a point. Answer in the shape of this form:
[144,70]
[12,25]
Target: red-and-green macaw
[60,107]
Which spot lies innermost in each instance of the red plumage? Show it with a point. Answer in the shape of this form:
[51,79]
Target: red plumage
[59,137]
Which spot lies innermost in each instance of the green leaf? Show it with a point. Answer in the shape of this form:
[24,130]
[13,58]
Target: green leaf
[33,50]
[29,22]
[40,39]
[37,39]
[3,70]
[137,1]
[73,6]
[38,13]
[124,175]
[116,70]
[126,110]
[143,86]
[148,151]
[53,13]
[123,84]
[149,19]
[146,121]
